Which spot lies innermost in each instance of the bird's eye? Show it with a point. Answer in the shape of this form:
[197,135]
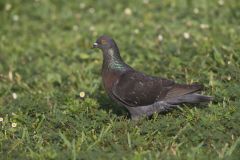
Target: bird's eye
[103,41]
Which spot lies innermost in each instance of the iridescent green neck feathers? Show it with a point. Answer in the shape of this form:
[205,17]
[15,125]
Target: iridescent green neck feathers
[112,60]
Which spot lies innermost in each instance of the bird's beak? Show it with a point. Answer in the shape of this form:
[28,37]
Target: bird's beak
[95,45]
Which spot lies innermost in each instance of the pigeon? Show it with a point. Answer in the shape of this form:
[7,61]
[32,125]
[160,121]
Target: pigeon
[141,94]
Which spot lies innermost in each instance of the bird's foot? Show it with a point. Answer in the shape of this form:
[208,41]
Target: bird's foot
[162,106]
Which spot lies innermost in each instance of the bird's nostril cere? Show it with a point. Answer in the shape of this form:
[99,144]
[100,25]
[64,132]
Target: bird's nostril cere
[95,45]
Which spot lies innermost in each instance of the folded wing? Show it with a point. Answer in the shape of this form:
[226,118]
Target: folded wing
[136,89]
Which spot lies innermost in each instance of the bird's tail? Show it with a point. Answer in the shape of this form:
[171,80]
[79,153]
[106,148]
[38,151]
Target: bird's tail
[191,98]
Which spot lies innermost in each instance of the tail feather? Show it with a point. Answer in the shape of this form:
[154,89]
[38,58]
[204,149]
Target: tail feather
[191,98]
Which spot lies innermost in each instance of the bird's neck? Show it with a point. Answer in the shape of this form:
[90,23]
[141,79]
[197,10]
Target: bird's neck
[112,60]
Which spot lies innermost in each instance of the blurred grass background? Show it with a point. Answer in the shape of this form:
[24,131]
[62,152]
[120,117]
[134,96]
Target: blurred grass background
[46,60]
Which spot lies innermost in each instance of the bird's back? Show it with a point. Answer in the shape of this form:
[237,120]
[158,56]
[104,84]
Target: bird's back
[137,89]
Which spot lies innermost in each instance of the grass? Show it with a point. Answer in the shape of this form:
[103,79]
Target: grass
[46,61]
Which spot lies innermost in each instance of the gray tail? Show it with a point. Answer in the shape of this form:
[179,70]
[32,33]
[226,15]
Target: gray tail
[191,98]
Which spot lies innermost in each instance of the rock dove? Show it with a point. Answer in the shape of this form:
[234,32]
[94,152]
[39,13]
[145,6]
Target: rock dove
[141,94]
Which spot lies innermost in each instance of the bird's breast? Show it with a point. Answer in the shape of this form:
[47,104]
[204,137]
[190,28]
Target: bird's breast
[109,78]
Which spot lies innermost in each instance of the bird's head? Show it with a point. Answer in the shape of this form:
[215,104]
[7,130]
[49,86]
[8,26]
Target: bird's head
[104,42]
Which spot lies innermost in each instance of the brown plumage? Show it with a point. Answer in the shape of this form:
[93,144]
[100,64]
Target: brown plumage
[139,93]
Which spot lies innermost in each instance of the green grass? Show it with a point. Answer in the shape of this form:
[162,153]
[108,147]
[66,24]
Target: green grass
[47,60]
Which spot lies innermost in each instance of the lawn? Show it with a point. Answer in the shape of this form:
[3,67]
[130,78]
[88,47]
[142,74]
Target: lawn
[46,60]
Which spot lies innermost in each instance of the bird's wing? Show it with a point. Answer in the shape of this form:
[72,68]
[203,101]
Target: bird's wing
[179,90]
[136,89]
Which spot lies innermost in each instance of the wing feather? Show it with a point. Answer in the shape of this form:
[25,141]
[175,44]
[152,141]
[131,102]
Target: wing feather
[137,89]
[182,89]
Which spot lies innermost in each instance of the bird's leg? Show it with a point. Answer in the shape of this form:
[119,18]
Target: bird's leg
[158,107]
[163,106]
